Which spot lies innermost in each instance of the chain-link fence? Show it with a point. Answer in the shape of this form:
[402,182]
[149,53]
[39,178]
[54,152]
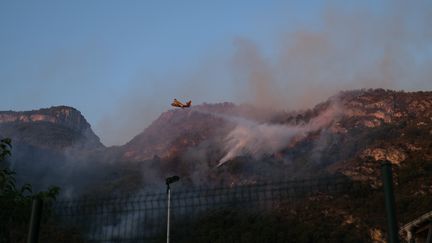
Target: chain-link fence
[334,207]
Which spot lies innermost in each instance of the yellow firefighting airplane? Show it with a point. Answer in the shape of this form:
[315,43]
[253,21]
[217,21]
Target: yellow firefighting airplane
[177,103]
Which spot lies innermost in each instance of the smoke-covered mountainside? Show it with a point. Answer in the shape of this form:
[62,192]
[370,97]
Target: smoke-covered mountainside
[49,145]
[56,127]
[348,133]
[230,144]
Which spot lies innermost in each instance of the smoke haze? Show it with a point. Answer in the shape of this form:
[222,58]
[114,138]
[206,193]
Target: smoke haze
[352,48]
[255,139]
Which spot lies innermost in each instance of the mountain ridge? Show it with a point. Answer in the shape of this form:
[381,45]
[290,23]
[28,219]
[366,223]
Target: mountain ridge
[366,127]
[59,120]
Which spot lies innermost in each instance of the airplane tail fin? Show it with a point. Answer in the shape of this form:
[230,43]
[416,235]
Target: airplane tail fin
[189,103]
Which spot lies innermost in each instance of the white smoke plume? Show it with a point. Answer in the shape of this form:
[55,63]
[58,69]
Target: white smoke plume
[255,139]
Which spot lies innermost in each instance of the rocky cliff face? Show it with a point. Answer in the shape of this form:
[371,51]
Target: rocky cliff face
[370,125]
[382,125]
[58,127]
[373,125]
[53,146]
[177,130]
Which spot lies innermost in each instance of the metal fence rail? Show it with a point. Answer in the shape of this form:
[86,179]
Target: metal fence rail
[142,217]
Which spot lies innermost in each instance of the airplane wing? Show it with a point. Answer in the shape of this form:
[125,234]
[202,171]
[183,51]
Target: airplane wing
[177,103]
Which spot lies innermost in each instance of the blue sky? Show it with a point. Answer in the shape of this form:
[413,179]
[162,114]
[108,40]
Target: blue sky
[121,62]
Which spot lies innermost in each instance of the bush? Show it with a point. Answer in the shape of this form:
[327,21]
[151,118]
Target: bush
[15,202]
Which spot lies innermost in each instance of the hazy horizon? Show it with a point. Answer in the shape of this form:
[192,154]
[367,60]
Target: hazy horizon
[121,64]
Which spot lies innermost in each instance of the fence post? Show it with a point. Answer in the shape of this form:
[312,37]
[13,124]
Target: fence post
[387,177]
[35,218]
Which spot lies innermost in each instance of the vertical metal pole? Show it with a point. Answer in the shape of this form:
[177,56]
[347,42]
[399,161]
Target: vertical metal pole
[386,170]
[168,214]
[35,219]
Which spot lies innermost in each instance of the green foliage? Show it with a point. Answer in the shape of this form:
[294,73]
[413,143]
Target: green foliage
[5,147]
[15,201]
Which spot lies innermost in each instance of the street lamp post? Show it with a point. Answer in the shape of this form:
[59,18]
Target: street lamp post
[169,181]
